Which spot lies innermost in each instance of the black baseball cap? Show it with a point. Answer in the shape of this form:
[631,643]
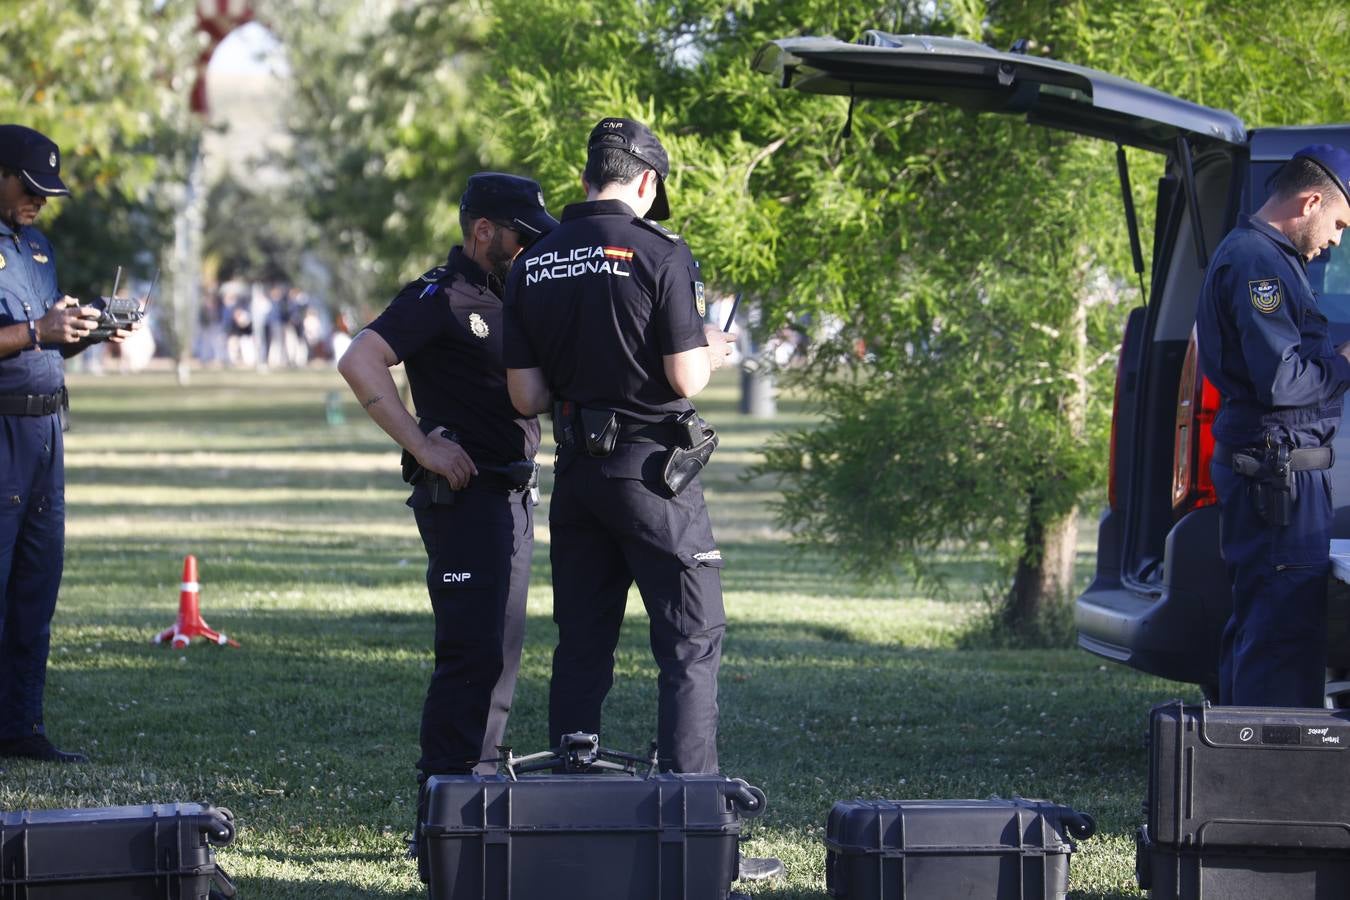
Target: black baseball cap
[1335,161]
[511,200]
[35,157]
[637,140]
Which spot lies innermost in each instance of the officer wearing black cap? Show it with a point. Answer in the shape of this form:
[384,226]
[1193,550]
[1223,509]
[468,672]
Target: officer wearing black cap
[604,325]
[38,327]
[469,456]
[1264,345]
[605,318]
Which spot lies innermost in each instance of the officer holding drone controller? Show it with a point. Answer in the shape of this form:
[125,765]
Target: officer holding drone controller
[39,326]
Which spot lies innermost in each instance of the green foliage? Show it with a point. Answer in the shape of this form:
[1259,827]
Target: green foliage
[108,81]
[973,272]
[270,249]
[387,131]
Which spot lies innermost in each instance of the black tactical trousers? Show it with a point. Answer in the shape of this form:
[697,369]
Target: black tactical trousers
[478,570]
[32,552]
[608,530]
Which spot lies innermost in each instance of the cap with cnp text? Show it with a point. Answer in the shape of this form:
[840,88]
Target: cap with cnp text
[35,157]
[1335,161]
[637,141]
[511,200]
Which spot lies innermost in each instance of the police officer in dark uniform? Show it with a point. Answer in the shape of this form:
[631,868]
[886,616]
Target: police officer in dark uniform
[604,322]
[605,317]
[1264,344]
[38,327]
[470,459]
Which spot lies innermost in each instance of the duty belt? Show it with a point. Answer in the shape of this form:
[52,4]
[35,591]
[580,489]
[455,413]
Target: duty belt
[1302,459]
[648,432]
[31,404]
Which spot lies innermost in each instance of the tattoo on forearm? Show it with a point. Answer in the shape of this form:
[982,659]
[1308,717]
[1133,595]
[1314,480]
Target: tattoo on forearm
[372,401]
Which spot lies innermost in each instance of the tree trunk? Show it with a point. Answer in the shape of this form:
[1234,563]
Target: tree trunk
[1045,569]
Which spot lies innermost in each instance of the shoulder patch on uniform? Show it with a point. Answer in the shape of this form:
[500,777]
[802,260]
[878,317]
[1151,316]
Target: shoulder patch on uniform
[1265,294]
[434,275]
[658,228]
[700,304]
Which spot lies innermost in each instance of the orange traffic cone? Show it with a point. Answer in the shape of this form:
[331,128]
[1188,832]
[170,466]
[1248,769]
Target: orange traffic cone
[190,623]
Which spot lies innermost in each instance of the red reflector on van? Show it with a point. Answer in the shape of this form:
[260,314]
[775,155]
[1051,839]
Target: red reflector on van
[1193,444]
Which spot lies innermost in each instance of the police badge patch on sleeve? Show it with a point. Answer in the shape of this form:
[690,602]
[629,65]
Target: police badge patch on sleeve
[700,304]
[1265,294]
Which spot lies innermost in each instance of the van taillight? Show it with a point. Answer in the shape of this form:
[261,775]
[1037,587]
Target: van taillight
[1193,446]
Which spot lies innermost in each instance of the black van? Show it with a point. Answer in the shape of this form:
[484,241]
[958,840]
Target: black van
[1160,597]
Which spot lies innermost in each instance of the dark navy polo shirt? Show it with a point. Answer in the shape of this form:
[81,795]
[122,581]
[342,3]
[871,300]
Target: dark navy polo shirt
[598,302]
[446,328]
[27,290]
[1264,343]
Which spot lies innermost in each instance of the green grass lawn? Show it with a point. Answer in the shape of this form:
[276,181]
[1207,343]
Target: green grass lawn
[308,732]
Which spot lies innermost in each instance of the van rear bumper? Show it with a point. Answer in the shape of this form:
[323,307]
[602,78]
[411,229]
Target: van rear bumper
[1152,632]
[1169,626]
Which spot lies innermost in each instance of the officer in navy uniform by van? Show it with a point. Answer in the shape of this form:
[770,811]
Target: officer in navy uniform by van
[1264,345]
[39,326]
[470,460]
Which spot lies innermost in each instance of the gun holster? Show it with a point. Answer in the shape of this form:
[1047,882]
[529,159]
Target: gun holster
[1271,484]
[436,487]
[684,461]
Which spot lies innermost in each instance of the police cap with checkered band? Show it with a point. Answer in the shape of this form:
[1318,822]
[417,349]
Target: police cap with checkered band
[510,200]
[34,157]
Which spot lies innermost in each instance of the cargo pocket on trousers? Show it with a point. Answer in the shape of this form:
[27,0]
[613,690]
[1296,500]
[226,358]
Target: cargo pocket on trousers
[701,607]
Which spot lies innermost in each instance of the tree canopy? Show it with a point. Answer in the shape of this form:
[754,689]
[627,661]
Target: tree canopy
[108,80]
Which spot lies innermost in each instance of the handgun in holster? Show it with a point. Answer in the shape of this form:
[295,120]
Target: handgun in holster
[695,446]
[1272,482]
[437,488]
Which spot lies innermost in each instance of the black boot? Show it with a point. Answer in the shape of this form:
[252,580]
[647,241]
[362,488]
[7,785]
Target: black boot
[37,746]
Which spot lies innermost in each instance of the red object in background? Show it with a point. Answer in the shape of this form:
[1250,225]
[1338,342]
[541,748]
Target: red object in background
[216,19]
[190,623]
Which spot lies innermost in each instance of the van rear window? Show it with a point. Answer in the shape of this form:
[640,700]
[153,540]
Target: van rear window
[1329,273]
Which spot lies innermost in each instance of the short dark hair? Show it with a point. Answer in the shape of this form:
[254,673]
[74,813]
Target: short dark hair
[1300,175]
[466,219]
[607,165]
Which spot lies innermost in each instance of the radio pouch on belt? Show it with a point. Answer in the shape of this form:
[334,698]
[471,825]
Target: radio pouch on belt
[601,428]
[684,462]
[564,416]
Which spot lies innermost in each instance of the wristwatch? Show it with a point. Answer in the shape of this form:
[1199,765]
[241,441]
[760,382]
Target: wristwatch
[32,335]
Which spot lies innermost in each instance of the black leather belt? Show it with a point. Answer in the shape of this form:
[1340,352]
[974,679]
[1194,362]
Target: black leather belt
[31,404]
[1302,459]
[648,432]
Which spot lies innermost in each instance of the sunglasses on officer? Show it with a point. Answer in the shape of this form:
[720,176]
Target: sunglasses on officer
[27,188]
